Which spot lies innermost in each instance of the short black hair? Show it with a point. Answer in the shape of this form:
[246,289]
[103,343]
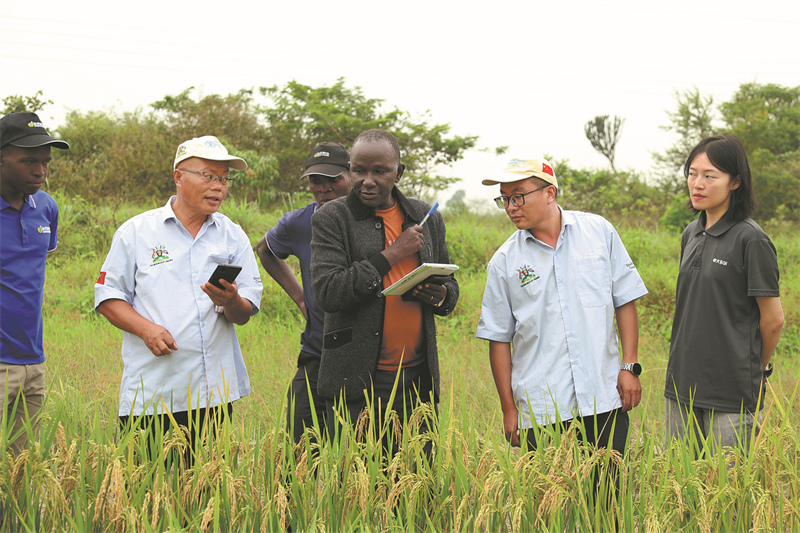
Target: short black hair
[376,135]
[727,153]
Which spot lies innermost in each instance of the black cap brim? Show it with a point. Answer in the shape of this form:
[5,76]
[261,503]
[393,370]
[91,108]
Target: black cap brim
[37,140]
[324,169]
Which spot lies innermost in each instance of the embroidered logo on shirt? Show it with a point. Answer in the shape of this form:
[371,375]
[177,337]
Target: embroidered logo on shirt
[43,229]
[101,280]
[160,255]
[720,262]
[526,275]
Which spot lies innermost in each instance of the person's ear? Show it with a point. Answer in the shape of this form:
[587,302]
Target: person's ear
[176,176]
[400,169]
[736,182]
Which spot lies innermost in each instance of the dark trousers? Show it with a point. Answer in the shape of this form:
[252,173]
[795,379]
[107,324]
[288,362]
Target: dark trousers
[192,423]
[597,431]
[415,386]
[303,400]
[594,430]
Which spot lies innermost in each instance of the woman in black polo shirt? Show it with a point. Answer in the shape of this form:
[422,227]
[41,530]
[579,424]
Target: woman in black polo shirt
[728,314]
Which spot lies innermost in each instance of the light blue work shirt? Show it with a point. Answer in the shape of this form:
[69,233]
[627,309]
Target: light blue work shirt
[556,307]
[155,265]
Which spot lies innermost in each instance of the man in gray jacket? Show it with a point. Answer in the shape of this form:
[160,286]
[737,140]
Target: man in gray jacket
[361,244]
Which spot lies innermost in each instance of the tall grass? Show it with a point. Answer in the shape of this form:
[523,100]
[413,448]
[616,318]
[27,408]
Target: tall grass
[85,474]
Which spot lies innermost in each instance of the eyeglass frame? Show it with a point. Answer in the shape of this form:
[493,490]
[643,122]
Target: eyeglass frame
[224,180]
[502,202]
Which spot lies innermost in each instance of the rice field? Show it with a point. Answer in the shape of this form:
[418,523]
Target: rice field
[85,474]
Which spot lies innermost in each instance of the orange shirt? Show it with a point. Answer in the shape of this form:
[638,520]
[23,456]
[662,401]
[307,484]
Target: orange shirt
[402,320]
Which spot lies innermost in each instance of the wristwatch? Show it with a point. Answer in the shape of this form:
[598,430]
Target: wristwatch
[633,368]
[768,370]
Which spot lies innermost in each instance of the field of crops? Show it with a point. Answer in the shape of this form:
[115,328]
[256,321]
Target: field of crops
[84,474]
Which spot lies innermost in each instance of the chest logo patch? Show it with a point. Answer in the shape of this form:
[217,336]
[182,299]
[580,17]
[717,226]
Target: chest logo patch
[719,262]
[43,229]
[526,275]
[160,255]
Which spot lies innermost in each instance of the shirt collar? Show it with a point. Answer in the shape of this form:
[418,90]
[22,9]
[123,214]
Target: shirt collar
[361,211]
[721,226]
[167,213]
[567,219]
[28,200]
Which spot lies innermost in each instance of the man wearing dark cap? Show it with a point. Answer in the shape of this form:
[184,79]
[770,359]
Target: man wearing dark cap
[328,172]
[28,225]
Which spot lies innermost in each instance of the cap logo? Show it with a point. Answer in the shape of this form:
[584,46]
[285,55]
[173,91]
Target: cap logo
[181,150]
[33,124]
[213,143]
[322,154]
[517,163]
[547,169]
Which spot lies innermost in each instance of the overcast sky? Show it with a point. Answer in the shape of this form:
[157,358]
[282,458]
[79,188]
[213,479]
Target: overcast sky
[523,74]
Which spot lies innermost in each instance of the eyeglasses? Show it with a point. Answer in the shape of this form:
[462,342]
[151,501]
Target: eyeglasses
[517,200]
[209,176]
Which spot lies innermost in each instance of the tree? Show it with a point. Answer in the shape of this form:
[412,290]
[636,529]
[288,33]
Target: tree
[298,117]
[603,132]
[233,117]
[767,120]
[18,104]
[691,121]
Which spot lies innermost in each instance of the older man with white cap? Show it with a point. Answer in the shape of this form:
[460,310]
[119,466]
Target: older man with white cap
[553,290]
[179,345]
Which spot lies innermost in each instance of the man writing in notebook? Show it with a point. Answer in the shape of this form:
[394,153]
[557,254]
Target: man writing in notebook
[360,245]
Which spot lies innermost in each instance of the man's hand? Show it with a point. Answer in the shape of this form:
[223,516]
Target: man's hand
[122,315]
[511,426]
[228,295]
[630,390]
[409,242]
[158,340]
[430,293]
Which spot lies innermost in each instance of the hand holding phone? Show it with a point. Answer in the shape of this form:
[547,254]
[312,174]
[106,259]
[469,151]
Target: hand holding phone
[226,272]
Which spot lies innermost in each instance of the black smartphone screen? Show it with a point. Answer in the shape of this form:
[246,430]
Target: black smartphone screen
[226,272]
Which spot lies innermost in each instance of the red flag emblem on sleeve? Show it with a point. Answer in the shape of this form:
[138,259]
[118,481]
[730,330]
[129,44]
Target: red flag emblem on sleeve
[101,280]
[547,169]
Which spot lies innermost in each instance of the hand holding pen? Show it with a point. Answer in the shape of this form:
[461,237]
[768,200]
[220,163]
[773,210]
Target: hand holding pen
[432,211]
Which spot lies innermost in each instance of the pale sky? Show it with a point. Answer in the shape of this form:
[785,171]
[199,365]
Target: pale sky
[523,74]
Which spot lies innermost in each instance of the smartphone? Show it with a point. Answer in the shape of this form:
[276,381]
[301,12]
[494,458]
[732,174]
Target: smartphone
[226,272]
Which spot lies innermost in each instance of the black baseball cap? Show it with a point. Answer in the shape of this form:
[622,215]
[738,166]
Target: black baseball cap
[329,159]
[25,130]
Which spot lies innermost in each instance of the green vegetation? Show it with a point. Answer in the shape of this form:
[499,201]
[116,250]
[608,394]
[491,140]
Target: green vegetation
[86,475]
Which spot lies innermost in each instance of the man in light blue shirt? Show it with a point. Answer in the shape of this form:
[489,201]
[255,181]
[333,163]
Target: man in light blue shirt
[553,291]
[179,345]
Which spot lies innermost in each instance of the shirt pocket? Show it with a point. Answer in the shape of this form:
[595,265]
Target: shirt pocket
[593,279]
[221,257]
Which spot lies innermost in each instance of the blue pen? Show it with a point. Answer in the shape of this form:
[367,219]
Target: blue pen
[432,211]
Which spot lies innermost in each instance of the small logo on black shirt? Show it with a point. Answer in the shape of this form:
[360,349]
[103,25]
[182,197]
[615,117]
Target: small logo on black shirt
[720,262]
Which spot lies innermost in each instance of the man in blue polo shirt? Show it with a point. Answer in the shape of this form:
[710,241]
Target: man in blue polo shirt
[28,225]
[328,172]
